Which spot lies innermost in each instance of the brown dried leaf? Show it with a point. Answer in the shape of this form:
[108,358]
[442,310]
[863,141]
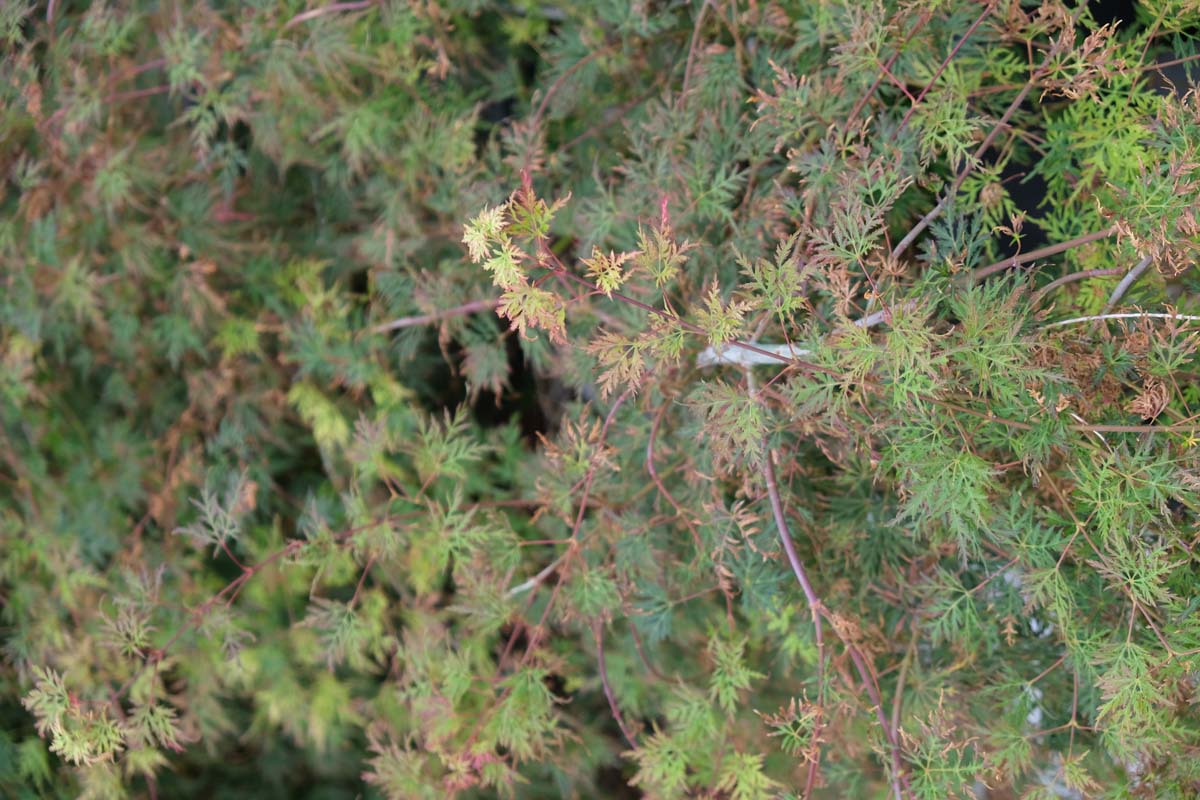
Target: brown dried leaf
[1152,400]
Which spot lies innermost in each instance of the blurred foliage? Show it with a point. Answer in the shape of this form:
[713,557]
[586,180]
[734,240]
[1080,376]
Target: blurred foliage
[353,441]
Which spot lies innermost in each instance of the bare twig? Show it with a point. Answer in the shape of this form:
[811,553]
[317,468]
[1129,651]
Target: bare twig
[1126,282]
[539,578]
[1172,63]
[691,56]
[817,610]
[709,357]
[1076,276]
[945,63]
[608,692]
[898,700]
[437,316]
[662,489]
[562,79]
[862,101]
[362,581]
[333,8]
[1128,315]
[1042,252]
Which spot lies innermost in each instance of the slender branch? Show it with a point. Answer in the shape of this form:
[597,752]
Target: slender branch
[1042,252]
[662,489]
[549,569]
[687,520]
[1126,282]
[608,692]
[810,595]
[641,651]
[709,357]
[946,62]
[333,8]
[1172,63]
[1128,315]
[898,700]
[362,581]
[561,80]
[862,101]
[1076,276]
[877,317]
[437,316]
[539,578]
[984,146]
[817,609]
[691,56]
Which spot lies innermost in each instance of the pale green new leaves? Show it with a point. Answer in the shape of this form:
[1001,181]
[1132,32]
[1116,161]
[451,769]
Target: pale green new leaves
[79,736]
[742,776]
[530,307]
[775,283]
[605,270]
[730,674]
[479,233]
[721,322]
[506,272]
[660,255]
[329,427]
[662,767]
[489,244]
[525,722]
[154,722]
[735,423]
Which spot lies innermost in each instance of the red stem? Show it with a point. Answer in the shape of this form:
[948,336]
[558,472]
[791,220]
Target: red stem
[817,609]
[945,63]
[608,692]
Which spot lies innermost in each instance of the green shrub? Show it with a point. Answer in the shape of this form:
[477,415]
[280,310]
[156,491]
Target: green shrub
[603,399]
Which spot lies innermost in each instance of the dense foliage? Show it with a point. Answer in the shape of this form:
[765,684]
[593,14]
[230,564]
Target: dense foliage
[727,398]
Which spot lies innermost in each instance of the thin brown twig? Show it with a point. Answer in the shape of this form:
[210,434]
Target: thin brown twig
[332,8]
[1172,63]
[862,101]
[436,316]
[608,692]
[691,56]
[1042,252]
[362,579]
[1130,278]
[662,489]
[817,610]
[641,651]
[691,525]
[946,63]
[898,700]
[1076,276]
[115,97]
